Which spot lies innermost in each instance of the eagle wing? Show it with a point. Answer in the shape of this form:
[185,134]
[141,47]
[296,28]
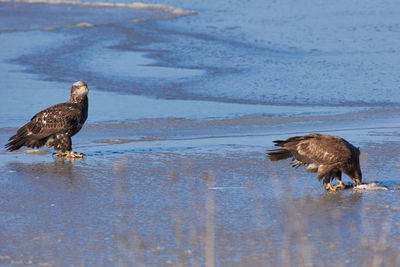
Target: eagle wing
[322,149]
[60,118]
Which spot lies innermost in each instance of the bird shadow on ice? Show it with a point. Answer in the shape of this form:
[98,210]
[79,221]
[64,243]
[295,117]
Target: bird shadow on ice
[58,168]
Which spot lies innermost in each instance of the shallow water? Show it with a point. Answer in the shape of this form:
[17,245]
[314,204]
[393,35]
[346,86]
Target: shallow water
[183,107]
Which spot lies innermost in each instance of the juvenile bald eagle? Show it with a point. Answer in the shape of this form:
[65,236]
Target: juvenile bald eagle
[327,155]
[55,125]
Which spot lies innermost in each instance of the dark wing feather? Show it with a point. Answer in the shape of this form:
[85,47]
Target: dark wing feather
[323,149]
[59,118]
[312,148]
[289,149]
[279,154]
[294,140]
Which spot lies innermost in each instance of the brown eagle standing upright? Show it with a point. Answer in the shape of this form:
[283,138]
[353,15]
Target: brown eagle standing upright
[55,125]
[327,155]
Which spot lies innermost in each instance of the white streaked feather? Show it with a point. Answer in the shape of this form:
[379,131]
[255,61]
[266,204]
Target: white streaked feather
[312,166]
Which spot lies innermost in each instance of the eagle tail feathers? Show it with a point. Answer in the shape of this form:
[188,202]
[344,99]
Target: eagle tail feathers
[16,143]
[22,138]
[279,154]
[279,142]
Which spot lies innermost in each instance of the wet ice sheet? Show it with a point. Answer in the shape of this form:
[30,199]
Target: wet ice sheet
[294,51]
[109,106]
[118,107]
[171,205]
[344,60]
[131,65]
[152,201]
[172,198]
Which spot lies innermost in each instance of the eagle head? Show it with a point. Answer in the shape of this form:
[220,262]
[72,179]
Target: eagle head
[79,89]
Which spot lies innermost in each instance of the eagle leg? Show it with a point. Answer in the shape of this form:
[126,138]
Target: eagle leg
[70,155]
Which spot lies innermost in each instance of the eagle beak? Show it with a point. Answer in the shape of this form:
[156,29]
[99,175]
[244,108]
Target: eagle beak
[84,89]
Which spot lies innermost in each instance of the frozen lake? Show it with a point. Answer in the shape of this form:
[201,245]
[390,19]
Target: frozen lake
[185,97]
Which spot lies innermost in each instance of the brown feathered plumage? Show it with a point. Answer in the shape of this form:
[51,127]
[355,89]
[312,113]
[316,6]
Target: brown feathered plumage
[327,155]
[55,125]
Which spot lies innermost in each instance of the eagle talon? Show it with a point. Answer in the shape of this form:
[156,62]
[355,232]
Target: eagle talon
[76,155]
[340,185]
[70,155]
[60,154]
[329,187]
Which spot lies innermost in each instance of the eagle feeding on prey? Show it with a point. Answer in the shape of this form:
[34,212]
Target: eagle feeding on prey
[327,155]
[55,125]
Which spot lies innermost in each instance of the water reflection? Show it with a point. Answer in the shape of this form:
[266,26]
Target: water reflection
[57,168]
